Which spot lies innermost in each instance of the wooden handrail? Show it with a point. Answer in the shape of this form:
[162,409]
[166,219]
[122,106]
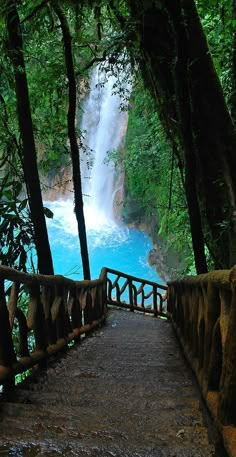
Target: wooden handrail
[203,310]
[133,278]
[46,280]
[58,311]
[135,293]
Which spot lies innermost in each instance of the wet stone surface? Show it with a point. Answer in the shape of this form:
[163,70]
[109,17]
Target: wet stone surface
[124,391]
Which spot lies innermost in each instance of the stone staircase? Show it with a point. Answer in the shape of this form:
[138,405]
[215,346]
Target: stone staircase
[125,391]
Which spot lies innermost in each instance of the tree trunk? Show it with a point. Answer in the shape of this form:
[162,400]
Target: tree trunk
[29,157]
[202,123]
[183,108]
[73,140]
[233,67]
[215,142]
[164,70]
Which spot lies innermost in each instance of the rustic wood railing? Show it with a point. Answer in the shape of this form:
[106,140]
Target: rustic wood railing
[203,310]
[40,315]
[58,311]
[136,294]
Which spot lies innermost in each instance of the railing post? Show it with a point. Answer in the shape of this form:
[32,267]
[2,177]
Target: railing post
[7,353]
[38,322]
[104,293]
[47,298]
[155,301]
[23,332]
[212,317]
[52,314]
[58,312]
[87,308]
[131,299]
[227,401]
[76,313]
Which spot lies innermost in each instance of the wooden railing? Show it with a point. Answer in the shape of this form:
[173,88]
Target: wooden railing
[203,310]
[136,294]
[40,315]
[58,310]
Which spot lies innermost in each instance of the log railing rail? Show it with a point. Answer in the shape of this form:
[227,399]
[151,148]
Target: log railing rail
[134,293]
[59,310]
[203,311]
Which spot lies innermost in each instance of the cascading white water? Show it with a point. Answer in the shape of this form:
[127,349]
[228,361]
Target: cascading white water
[103,127]
[109,244]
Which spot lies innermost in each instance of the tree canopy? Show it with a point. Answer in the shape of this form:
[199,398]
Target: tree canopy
[179,157]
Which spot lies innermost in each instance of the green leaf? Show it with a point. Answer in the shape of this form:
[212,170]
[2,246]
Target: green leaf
[48,213]
[23,204]
[17,188]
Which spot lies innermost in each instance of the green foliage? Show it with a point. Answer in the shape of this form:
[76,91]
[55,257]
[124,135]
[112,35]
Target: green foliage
[152,176]
[16,231]
[219,26]
[93,40]
[23,302]
[100,33]
[48,89]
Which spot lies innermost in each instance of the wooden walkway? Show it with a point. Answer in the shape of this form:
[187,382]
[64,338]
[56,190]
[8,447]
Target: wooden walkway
[125,391]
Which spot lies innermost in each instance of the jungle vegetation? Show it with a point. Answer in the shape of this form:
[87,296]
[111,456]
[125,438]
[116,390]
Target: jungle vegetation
[179,157]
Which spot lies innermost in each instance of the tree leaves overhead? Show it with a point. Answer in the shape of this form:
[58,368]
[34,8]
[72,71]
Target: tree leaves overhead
[219,25]
[48,213]
[108,33]
[157,192]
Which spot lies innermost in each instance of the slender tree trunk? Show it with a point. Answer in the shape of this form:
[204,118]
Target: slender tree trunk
[233,66]
[183,108]
[73,139]
[29,158]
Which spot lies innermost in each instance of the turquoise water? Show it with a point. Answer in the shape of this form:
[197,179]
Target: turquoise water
[110,245]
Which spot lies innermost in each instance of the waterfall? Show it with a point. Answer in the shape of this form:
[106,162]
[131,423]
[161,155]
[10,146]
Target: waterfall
[103,129]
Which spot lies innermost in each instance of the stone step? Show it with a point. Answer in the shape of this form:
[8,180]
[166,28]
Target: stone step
[126,391]
[73,448]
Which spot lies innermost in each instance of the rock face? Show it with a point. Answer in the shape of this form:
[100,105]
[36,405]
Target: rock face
[166,263]
[58,186]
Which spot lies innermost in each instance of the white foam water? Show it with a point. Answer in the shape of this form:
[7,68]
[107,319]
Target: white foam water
[109,244]
[114,246]
[103,126]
